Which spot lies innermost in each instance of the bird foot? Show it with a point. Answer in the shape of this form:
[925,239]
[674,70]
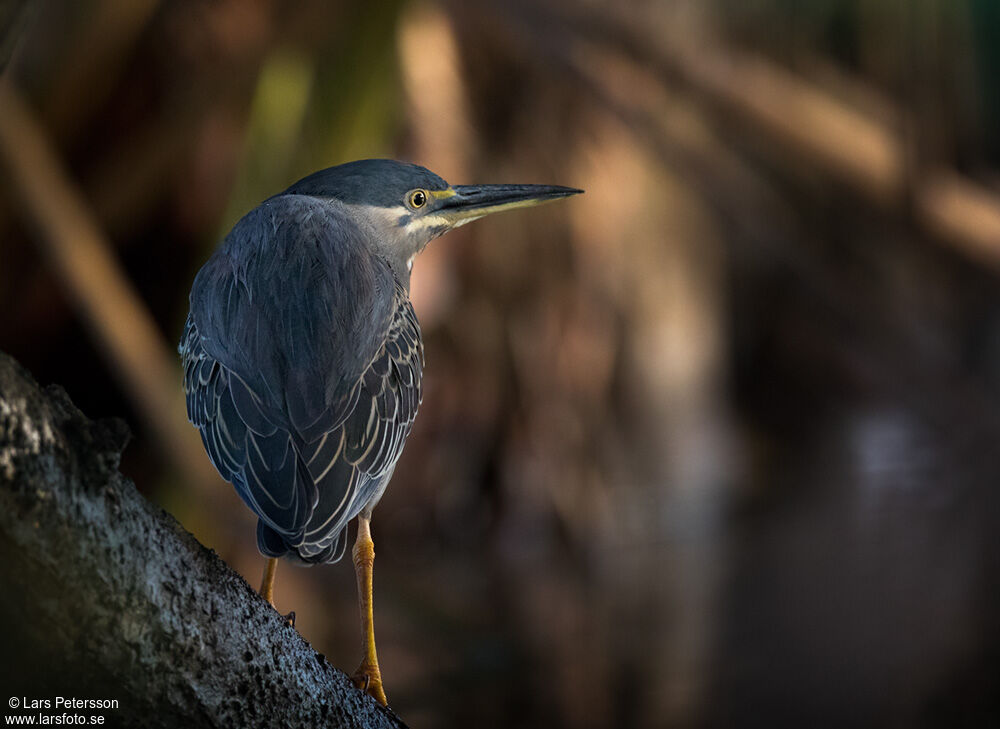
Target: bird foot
[368,679]
[288,617]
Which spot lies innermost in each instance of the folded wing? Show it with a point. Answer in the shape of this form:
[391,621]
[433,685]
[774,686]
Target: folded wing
[302,371]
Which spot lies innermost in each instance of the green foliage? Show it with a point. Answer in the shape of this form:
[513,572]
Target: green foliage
[316,109]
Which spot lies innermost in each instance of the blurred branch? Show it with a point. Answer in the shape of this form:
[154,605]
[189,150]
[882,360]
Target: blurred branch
[114,599]
[953,206]
[788,120]
[82,256]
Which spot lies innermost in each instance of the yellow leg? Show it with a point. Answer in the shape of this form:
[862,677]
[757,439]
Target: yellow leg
[367,677]
[267,583]
[267,587]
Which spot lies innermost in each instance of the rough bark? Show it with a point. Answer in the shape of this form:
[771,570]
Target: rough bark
[106,596]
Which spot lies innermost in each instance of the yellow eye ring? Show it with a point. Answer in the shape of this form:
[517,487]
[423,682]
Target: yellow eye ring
[418,198]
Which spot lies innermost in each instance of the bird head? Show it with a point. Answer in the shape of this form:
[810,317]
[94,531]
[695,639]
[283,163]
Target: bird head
[408,206]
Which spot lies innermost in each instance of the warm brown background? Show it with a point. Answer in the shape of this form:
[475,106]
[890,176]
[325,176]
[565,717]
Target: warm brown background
[715,444]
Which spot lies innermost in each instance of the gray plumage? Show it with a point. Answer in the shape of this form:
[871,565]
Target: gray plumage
[303,361]
[302,354]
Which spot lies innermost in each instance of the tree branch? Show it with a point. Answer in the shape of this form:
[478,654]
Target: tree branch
[106,596]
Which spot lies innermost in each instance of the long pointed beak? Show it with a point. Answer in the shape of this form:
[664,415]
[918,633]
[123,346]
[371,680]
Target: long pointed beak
[471,202]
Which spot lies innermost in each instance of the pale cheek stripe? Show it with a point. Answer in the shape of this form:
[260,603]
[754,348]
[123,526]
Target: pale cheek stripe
[431,221]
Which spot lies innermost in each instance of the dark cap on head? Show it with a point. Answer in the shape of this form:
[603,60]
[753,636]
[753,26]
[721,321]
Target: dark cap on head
[379,182]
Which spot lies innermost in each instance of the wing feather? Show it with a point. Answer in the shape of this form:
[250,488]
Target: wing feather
[371,438]
[303,399]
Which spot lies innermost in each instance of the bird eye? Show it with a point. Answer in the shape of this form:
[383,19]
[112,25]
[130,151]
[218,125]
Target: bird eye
[418,198]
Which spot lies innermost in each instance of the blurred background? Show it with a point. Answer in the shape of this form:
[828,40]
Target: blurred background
[714,445]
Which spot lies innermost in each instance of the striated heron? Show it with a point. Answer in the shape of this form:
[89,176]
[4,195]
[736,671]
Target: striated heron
[303,357]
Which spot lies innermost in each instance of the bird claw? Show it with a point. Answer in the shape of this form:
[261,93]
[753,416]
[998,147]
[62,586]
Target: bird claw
[368,680]
[290,619]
